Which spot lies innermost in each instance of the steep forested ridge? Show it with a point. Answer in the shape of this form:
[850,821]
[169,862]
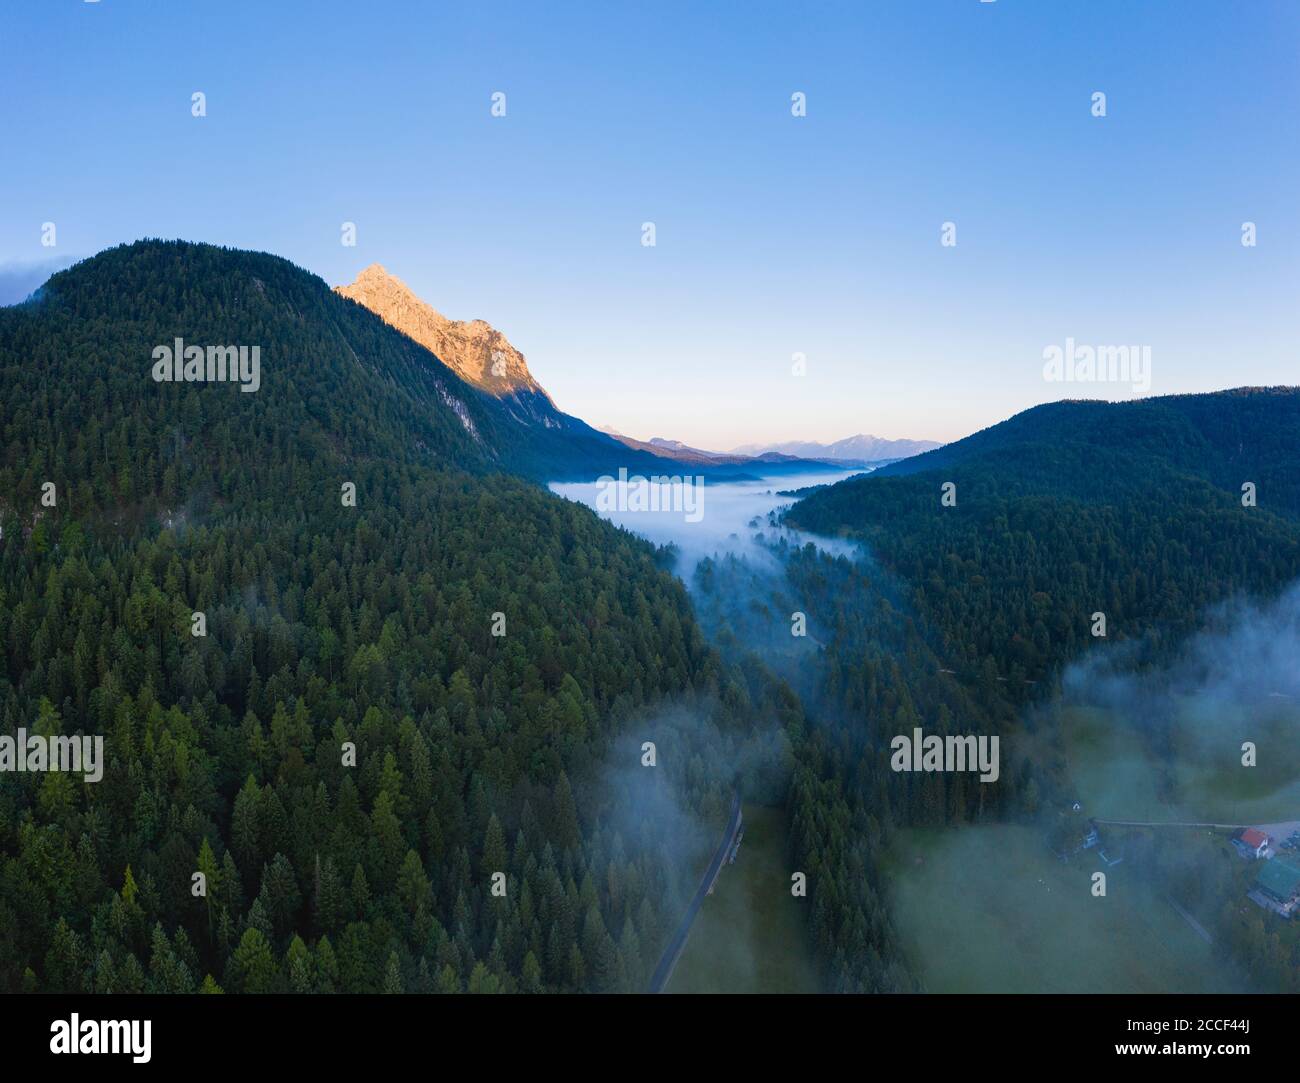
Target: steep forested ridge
[1248,433]
[326,624]
[333,375]
[1133,510]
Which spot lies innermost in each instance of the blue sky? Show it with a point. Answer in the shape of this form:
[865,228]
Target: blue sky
[776,235]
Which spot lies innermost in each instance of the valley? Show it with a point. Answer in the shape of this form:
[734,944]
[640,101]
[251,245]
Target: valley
[1156,754]
[751,935]
[573,503]
[493,637]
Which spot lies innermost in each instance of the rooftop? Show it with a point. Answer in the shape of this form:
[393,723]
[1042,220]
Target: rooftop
[1279,879]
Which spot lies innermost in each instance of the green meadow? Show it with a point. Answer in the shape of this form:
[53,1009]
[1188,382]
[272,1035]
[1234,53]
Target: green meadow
[1120,773]
[751,935]
[991,910]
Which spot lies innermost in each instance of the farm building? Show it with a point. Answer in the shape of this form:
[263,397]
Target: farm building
[1277,887]
[1071,835]
[1251,843]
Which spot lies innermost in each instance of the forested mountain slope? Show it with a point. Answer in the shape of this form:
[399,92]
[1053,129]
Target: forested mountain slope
[1134,510]
[332,372]
[326,625]
[1088,448]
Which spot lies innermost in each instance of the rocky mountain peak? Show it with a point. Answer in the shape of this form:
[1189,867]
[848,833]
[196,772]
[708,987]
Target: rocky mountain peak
[475,350]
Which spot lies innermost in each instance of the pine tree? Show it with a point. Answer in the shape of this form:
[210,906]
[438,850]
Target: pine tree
[393,975]
[253,965]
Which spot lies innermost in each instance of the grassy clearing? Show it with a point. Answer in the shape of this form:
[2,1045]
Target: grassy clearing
[1120,774]
[751,934]
[989,909]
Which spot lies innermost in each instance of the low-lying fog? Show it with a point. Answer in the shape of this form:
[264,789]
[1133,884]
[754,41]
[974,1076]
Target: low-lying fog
[702,517]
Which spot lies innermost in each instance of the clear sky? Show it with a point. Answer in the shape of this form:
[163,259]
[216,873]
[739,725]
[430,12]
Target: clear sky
[775,235]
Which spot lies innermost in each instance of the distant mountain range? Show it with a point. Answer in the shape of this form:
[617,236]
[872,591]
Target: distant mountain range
[862,448]
[793,452]
[676,450]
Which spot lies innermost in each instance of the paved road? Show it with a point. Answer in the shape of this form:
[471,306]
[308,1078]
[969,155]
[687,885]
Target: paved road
[1278,830]
[1197,927]
[673,952]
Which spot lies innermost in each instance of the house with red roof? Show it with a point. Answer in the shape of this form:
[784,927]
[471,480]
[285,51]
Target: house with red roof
[1251,843]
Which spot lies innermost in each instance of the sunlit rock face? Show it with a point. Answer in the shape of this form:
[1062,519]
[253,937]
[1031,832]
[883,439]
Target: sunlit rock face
[475,350]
